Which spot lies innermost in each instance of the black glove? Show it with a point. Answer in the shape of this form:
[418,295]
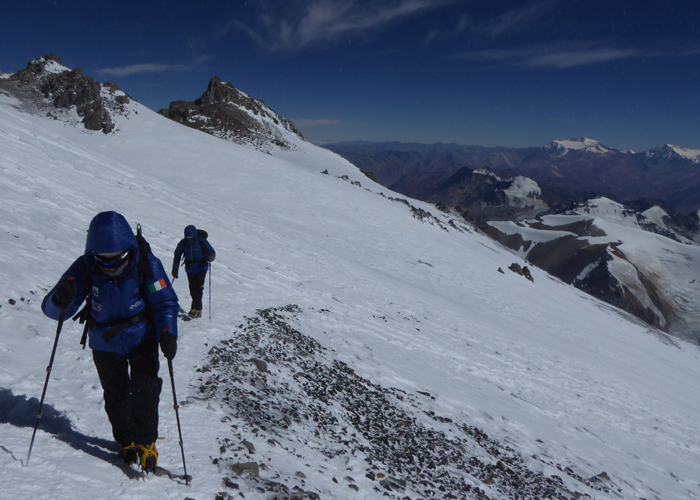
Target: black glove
[65,293]
[174,272]
[168,344]
[211,257]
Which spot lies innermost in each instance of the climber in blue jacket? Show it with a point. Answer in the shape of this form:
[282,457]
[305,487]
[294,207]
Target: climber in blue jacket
[198,253]
[131,308]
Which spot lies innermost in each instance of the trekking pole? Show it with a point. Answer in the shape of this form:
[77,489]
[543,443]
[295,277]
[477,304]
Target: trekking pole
[177,417]
[46,382]
[210,268]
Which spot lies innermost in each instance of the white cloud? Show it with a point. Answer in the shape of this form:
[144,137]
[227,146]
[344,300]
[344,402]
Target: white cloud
[143,68]
[518,19]
[320,21]
[565,54]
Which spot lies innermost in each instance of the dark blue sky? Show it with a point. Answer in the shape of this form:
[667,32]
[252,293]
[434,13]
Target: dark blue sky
[474,72]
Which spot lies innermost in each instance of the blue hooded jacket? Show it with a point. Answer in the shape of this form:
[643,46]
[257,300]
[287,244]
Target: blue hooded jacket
[197,252]
[114,300]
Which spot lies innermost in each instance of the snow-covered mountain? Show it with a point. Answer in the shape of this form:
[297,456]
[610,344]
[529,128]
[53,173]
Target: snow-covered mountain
[641,262]
[671,152]
[362,345]
[560,148]
[653,219]
[226,112]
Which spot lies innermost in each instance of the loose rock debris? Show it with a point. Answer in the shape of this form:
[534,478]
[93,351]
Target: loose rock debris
[304,392]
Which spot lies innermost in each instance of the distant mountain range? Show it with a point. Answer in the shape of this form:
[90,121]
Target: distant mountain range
[583,167]
[547,205]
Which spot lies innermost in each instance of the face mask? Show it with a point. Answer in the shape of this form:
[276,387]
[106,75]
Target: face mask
[112,264]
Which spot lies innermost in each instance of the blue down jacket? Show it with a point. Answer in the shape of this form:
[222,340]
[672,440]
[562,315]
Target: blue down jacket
[196,252]
[116,299]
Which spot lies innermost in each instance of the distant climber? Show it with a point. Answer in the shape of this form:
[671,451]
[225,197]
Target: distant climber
[197,253]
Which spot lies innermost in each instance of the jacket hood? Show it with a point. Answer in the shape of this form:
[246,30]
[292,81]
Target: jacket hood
[110,232]
[190,231]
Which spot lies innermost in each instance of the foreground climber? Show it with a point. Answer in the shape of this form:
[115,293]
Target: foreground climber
[131,308]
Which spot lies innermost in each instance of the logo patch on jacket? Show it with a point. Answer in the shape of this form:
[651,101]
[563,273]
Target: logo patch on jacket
[95,291]
[158,285]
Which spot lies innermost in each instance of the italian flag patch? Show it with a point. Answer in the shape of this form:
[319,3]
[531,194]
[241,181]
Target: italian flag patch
[158,285]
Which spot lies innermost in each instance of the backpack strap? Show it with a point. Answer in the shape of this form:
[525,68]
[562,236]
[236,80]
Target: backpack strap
[142,265]
[85,314]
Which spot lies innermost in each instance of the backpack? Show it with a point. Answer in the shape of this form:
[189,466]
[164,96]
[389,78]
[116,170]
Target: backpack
[201,235]
[142,267]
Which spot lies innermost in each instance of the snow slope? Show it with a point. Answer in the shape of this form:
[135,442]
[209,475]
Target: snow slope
[573,387]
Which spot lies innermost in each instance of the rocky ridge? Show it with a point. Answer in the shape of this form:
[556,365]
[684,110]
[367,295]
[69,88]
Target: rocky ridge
[47,86]
[226,112]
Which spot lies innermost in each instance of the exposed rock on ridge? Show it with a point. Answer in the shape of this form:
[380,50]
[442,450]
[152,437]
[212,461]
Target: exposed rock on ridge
[46,83]
[226,112]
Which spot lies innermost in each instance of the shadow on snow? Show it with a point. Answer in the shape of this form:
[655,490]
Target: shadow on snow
[21,412]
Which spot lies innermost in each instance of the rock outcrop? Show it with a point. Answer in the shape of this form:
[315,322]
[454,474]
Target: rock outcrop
[226,112]
[55,89]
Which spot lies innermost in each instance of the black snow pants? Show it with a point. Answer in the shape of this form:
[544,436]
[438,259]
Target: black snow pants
[131,390]
[196,281]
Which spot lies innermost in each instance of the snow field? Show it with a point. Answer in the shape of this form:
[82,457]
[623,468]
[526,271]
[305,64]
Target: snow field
[539,366]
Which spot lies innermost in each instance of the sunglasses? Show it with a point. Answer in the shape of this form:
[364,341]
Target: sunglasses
[112,261]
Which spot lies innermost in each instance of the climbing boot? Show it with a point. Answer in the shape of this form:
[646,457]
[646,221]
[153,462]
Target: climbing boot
[128,453]
[148,457]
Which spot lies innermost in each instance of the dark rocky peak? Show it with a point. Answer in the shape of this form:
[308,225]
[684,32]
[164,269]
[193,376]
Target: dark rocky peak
[220,91]
[226,112]
[39,68]
[483,193]
[56,89]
